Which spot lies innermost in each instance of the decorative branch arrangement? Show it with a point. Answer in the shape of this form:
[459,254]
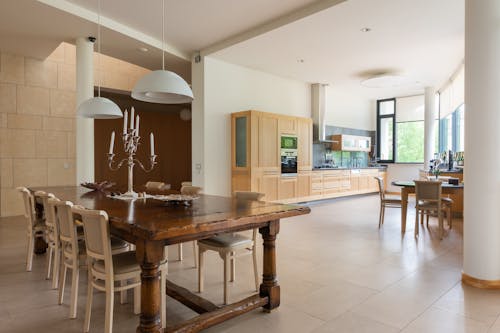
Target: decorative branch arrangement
[131,140]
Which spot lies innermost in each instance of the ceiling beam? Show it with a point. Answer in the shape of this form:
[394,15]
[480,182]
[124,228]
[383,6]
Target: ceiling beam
[108,23]
[273,24]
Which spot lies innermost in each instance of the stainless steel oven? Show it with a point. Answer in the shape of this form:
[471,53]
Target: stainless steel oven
[288,154]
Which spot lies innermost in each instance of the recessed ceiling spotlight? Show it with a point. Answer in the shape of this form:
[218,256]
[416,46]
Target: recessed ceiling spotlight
[143,49]
[300,61]
[366,29]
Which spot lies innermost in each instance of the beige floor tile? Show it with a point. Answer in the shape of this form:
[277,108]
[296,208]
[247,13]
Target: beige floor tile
[402,302]
[479,304]
[351,322]
[438,321]
[328,302]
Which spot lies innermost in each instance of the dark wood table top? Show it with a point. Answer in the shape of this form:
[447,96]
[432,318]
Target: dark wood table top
[411,183]
[155,220]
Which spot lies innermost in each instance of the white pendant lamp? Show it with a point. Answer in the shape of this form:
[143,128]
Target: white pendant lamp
[162,86]
[99,107]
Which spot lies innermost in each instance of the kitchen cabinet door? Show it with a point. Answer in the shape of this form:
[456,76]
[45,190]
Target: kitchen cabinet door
[269,185]
[303,184]
[304,137]
[287,188]
[287,125]
[269,152]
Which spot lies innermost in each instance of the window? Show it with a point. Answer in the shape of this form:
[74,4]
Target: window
[386,112]
[451,131]
[410,129]
[400,129]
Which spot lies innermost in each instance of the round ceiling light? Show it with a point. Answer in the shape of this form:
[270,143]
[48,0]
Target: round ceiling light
[366,29]
[388,81]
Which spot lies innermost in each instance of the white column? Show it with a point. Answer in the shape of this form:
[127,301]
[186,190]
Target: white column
[429,119]
[198,123]
[84,126]
[482,137]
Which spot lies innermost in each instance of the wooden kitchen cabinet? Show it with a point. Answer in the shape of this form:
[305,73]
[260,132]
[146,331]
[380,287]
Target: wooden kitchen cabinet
[316,183]
[256,161]
[268,143]
[287,188]
[351,142]
[256,154]
[269,184]
[304,140]
[287,125]
[304,184]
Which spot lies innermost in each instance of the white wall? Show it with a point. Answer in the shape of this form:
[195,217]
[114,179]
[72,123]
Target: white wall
[348,110]
[230,88]
[408,171]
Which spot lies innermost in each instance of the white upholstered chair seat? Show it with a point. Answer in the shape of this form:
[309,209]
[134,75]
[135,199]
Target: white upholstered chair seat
[227,240]
[123,263]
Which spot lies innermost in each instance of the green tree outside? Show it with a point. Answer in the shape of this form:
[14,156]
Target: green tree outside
[410,142]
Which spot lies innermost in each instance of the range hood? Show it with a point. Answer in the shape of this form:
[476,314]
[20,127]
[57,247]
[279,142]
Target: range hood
[318,101]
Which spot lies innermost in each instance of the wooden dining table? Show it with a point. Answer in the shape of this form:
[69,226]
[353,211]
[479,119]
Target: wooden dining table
[408,187]
[151,224]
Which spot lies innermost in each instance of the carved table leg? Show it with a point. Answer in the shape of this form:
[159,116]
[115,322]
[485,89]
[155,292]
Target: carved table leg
[149,256]
[269,286]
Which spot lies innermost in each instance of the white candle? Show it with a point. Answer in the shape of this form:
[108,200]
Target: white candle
[132,118]
[125,119]
[112,143]
[152,143]
[137,124]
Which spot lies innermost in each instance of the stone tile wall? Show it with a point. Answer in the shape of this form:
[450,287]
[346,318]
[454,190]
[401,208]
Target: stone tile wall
[38,116]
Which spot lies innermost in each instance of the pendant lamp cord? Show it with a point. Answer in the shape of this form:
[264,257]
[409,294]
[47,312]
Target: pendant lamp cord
[163,35]
[99,46]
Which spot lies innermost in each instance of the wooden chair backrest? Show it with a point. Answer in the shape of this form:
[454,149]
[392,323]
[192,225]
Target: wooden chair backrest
[29,207]
[380,182]
[190,190]
[67,226]
[155,185]
[97,237]
[44,197]
[429,191]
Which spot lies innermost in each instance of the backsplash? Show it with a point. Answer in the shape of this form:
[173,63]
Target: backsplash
[323,154]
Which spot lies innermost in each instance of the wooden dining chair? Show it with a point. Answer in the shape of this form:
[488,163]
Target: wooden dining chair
[111,273]
[36,227]
[73,250]
[227,246]
[188,190]
[52,236]
[428,198]
[385,202]
[157,186]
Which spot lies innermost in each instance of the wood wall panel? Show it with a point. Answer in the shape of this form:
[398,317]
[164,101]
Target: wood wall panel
[172,143]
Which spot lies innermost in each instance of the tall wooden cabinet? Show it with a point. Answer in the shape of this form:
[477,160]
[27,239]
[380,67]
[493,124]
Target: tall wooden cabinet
[256,161]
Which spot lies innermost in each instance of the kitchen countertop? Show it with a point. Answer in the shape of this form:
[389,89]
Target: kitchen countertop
[345,168]
[455,170]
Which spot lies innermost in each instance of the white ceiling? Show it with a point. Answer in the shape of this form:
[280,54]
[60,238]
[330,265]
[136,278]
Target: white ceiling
[420,39]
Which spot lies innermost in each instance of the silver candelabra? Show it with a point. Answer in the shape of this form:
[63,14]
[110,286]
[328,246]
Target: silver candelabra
[131,140]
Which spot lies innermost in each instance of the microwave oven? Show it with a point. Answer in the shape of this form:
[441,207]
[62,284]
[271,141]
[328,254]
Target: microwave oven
[288,142]
[288,154]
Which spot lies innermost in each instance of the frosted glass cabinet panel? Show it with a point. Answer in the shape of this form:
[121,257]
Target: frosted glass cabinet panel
[241,137]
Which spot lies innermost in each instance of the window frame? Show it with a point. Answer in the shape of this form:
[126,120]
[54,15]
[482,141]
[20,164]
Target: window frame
[379,118]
